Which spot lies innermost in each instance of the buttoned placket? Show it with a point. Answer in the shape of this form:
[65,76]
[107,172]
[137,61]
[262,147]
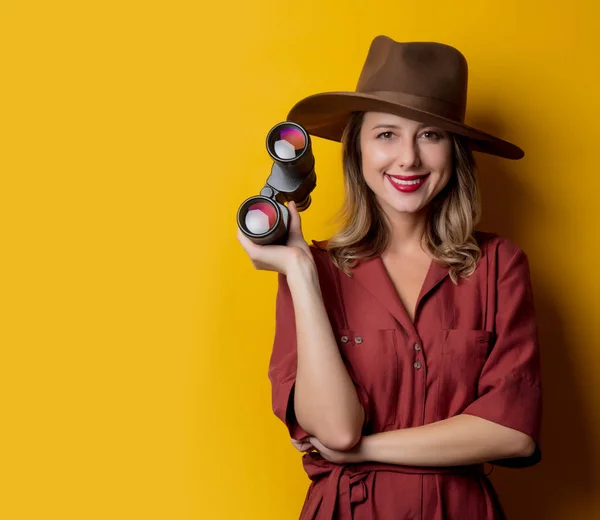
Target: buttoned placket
[420,368]
[418,359]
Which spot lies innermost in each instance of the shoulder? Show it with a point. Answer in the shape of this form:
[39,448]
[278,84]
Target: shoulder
[319,251]
[322,258]
[319,245]
[493,241]
[500,250]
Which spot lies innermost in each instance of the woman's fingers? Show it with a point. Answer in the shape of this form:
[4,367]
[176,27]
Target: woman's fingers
[302,445]
[271,257]
[247,244]
[296,236]
[295,220]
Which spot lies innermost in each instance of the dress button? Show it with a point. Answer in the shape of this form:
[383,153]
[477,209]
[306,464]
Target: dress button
[344,339]
[358,339]
[417,364]
[417,346]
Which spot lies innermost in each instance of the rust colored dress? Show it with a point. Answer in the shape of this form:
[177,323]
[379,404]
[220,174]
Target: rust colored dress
[472,349]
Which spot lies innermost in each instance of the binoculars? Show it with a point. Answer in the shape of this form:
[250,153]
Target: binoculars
[264,218]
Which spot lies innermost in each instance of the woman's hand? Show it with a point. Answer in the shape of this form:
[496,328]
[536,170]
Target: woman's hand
[277,257]
[353,456]
[303,444]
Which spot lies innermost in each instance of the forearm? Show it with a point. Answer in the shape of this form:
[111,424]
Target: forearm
[325,399]
[459,440]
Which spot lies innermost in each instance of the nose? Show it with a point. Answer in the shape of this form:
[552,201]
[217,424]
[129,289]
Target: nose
[408,154]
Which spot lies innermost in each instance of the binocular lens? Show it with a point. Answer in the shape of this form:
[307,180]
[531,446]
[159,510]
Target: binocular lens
[287,142]
[260,217]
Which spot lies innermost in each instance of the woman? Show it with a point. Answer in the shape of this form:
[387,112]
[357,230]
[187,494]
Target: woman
[405,352]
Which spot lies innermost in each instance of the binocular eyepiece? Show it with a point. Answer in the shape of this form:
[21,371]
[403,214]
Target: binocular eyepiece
[264,218]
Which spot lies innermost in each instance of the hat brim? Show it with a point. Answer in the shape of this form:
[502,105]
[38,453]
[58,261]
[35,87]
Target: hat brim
[325,115]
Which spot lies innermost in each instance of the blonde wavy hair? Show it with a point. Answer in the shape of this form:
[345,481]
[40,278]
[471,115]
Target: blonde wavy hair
[364,230]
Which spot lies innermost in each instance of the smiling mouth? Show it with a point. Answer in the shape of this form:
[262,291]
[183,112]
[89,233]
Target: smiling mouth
[407,180]
[407,184]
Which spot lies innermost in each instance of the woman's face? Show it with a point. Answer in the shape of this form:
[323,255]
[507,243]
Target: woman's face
[404,162]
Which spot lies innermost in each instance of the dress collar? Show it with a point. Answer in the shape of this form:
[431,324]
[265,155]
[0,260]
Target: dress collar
[373,276]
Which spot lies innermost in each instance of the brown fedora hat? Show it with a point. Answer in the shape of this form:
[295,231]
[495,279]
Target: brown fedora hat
[422,81]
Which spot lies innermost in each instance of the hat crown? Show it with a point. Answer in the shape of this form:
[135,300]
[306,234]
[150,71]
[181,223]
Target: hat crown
[424,69]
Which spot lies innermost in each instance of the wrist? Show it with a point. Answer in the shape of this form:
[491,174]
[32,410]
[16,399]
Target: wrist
[366,449]
[370,447]
[302,273]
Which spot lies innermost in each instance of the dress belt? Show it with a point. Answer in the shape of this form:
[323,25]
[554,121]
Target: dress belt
[347,481]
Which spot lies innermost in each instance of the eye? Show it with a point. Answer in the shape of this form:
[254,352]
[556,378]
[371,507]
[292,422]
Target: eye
[436,138]
[385,135]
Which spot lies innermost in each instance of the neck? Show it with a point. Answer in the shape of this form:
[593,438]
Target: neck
[407,231]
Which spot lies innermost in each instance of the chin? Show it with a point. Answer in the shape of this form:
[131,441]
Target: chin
[405,207]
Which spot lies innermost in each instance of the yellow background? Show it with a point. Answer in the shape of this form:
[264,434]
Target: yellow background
[135,334]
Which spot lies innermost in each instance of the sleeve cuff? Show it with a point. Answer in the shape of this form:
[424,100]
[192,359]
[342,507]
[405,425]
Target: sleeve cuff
[514,403]
[283,407]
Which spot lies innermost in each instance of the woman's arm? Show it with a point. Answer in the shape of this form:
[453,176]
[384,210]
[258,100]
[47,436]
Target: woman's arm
[325,399]
[305,359]
[457,441]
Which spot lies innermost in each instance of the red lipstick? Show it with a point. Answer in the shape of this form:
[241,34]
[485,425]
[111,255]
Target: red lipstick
[407,183]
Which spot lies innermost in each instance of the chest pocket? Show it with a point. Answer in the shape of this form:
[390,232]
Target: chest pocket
[371,359]
[464,352]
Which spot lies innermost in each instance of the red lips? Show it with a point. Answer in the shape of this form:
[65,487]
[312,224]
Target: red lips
[408,188]
[407,177]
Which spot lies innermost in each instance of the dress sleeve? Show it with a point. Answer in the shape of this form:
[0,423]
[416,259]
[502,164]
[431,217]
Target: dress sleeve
[283,362]
[284,356]
[509,388]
